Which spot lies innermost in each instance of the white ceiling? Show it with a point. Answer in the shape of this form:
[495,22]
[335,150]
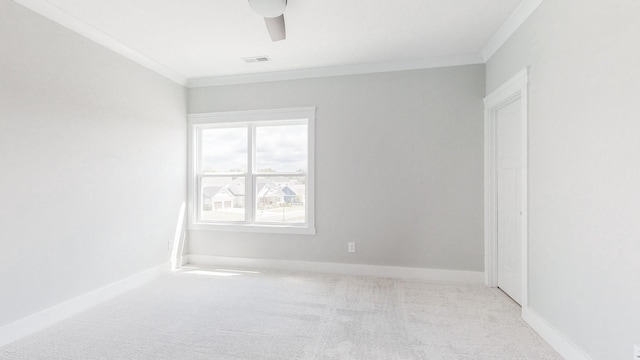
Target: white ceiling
[195,41]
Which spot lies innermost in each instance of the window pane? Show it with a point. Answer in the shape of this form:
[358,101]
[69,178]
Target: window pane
[222,198]
[281,200]
[281,148]
[224,150]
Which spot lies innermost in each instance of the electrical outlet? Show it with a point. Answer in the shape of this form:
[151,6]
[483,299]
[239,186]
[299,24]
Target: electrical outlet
[636,352]
[352,247]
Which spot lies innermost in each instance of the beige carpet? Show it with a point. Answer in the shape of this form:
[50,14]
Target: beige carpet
[225,315]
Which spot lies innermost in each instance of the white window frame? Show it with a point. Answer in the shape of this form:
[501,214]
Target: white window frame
[251,118]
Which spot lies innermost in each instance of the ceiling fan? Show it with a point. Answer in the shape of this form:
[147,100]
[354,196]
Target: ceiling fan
[273,12]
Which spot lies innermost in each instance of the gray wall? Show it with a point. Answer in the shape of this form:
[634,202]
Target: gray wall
[584,178]
[92,152]
[398,168]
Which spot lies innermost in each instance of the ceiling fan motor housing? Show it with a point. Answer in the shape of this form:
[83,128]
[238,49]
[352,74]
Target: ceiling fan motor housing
[268,8]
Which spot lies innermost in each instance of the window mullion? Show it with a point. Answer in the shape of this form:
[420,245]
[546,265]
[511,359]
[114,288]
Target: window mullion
[250,180]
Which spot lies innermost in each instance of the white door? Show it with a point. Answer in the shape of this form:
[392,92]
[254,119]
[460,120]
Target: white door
[508,171]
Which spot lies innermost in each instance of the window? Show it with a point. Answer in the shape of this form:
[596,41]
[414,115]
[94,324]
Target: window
[252,171]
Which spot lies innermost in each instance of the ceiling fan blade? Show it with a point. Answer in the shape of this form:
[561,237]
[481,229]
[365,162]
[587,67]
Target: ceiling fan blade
[276,28]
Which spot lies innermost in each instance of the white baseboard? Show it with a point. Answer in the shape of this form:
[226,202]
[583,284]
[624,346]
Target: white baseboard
[551,335]
[38,321]
[475,277]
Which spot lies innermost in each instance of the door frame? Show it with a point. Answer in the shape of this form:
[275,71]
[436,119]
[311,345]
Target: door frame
[515,89]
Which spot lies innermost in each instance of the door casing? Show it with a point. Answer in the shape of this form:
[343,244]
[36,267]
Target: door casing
[514,89]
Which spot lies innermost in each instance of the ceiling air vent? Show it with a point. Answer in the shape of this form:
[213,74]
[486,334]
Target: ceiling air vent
[256,59]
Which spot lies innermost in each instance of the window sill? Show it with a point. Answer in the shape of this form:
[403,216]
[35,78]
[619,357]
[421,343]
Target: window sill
[254,228]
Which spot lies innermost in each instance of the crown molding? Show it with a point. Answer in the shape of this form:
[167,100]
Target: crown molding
[356,69]
[513,23]
[71,22]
